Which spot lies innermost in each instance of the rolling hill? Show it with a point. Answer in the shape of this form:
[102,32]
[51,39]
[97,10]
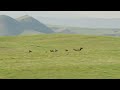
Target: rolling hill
[9,26]
[30,23]
[87,26]
[25,24]
[85,31]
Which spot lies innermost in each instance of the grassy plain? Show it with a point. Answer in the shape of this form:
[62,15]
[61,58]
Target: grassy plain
[100,57]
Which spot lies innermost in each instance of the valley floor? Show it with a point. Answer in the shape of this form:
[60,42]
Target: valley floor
[99,58]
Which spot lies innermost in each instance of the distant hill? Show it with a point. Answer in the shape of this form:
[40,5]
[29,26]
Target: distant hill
[64,31]
[30,23]
[30,32]
[85,31]
[23,25]
[9,26]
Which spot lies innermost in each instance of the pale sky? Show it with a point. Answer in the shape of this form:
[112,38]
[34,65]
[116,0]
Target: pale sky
[65,14]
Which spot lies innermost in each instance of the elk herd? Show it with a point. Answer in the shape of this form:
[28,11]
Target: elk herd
[66,50]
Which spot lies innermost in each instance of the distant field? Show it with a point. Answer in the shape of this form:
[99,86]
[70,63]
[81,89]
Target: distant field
[89,31]
[100,57]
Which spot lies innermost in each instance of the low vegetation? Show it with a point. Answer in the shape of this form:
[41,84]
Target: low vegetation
[30,57]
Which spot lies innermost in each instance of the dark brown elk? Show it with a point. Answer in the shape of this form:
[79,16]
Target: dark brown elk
[75,49]
[56,50]
[78,49]
[66,50]
[30,51]
[51,50]
[81,49]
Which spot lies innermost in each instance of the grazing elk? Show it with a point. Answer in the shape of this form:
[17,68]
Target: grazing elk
[66,50]
[78,49]
[81,49]
[51,50]
[75,49]
[30,51]
[56,50]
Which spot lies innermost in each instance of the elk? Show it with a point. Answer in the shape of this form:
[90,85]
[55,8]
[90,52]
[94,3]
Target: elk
[81,49]
[51,50]
[30,51]
[56,50]
[66,50]
[75,49]
[78,49]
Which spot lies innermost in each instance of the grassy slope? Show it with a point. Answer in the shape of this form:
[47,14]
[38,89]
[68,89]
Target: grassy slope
[100,57]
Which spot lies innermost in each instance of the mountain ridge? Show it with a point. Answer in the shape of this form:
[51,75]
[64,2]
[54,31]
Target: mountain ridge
[32,23]
[10,26]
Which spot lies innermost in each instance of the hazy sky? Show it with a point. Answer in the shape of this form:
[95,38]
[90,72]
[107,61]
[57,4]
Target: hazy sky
[66,14]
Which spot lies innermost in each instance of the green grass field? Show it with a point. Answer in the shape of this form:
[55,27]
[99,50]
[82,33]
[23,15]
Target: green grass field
[100,57]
